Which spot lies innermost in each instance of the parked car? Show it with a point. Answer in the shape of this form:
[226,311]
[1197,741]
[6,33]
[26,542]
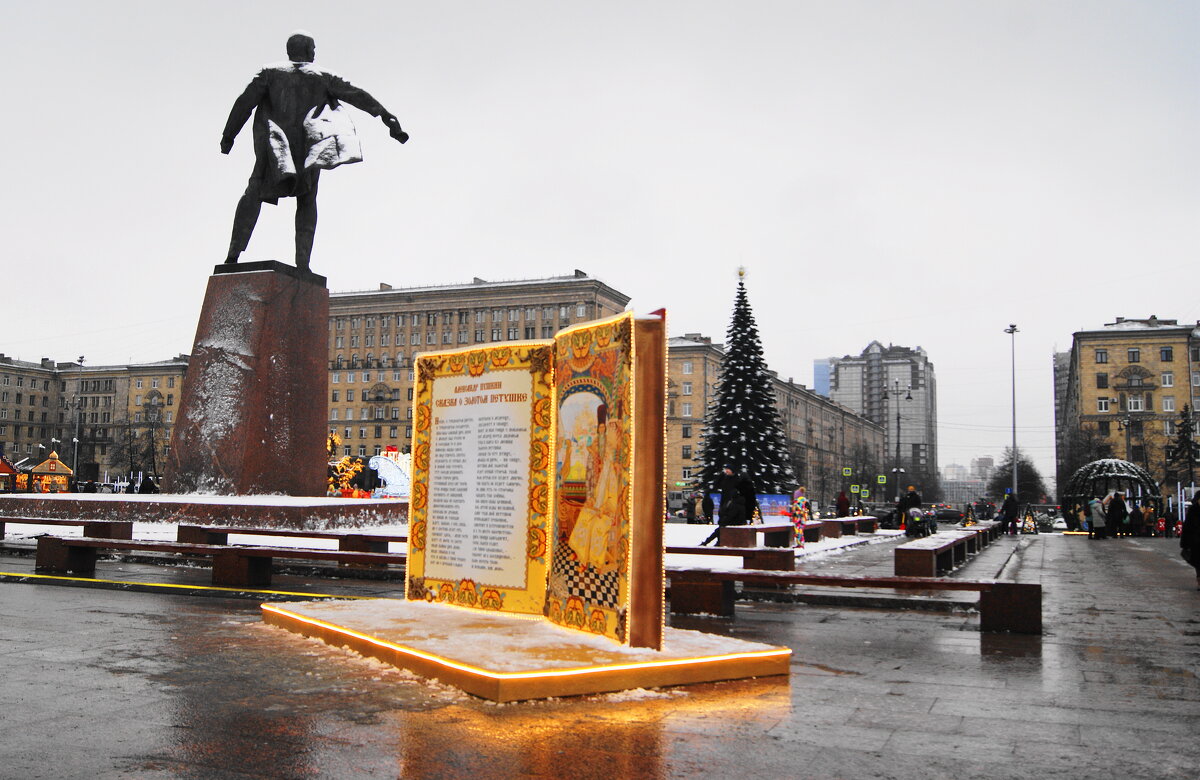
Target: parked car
[1059,524]
[944,513]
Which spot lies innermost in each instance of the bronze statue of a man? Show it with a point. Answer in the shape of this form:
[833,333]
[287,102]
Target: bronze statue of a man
[299,129]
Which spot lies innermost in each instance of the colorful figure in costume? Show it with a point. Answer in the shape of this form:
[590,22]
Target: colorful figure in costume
[800,514]
[595,535]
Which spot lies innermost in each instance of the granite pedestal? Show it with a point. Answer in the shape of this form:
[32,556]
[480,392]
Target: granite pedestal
[252,411]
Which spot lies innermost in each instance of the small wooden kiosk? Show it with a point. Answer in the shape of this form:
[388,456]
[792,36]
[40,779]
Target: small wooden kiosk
[51,476]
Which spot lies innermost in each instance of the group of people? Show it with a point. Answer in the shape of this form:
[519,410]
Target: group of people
[1113,516]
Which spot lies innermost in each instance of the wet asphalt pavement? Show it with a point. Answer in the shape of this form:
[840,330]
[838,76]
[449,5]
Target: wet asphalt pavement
[103,683]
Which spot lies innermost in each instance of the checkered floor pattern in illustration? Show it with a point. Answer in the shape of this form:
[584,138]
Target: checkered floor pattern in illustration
[601,590]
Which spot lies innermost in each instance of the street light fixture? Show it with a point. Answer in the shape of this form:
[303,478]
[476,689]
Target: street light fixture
[1012,331]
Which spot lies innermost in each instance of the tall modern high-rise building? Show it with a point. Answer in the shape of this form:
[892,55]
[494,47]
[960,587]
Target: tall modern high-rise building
[822,370]
[895,387]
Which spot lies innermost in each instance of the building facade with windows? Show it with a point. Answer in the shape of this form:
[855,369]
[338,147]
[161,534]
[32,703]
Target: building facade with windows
[895,387]
[373,336]
[102,420]
[1125,386]
[823,436]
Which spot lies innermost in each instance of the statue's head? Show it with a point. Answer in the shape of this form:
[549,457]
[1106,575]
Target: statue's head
[301,47]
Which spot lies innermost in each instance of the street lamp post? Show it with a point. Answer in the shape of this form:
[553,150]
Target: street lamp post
[1012,331]
[896,470]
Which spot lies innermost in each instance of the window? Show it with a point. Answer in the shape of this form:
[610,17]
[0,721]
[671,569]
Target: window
[1134,403]
[336,393]
[431,337]
[497,315]
[1168,403]
[370,322]
[1101,404]
[530,313]
[1196,379]
[686,367]
[154,383]
[1166,354]
[392,432]
[137,400]
[686,409]
[462,337]
[170,417]
[355,322]
[138,383]
[370,340]
[1169,427]
[531,331]
[479,317]
[495,334]
[378,449]
[362,450]
[346,450]
[512,334]
[333,414]
[687,388]
[581,310]
[1168,379]
[414,320]
[362,433]
[349,395]
[1101,381]
[1135,355]
[337,377]
[478,335]
[547,331]
[408,432]
[687,451]
[514,315]
[170,399]
[686,432]
[414,340]
[1102,356]
[378,433]
[1105,428]
[431,318]
[341,323]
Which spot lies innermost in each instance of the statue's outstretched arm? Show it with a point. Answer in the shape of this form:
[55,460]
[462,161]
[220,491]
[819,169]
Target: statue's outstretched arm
[361,99]
[242,107]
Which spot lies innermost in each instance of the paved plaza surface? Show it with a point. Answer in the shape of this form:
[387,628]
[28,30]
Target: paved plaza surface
[102,683]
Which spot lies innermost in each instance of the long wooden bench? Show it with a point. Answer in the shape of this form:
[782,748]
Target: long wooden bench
[1003,606]
[350,541]
[99,529]
[933,555]
[774,535]
[811,531]
[232,566]
[940,553]
[835,527]
[768,558]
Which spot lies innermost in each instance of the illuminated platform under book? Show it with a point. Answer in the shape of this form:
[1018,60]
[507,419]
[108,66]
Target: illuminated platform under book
[509,658]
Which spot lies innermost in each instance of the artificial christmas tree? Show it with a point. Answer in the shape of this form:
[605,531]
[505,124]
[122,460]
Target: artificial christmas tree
[741,424]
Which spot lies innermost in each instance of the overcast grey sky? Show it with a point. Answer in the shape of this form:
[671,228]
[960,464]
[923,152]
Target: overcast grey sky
[921,173]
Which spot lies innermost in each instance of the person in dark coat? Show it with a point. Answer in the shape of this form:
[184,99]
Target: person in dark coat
[293,103]
[733,506]
[706,506]
[1118,515]
[749,498]
[910,500]
[1008,514]
[1189,540]
[843,505]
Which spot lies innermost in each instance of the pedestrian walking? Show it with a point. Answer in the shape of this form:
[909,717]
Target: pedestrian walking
[1189,540]
[706,506]
[1008,514]
[1099,523]
[1118,515]
[733,506]
[843,504]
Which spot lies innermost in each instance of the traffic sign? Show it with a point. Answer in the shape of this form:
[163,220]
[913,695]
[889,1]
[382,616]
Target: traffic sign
[854,488]
[847,471]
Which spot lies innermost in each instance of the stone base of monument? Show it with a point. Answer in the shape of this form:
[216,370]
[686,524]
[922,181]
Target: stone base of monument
[504,657]
[244,511]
